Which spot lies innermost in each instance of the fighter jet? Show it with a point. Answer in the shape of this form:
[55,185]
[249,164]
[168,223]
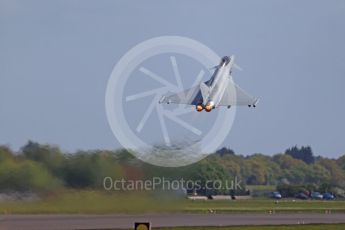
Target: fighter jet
[220,90]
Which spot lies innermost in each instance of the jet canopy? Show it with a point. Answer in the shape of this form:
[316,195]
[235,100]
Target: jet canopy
[225,60]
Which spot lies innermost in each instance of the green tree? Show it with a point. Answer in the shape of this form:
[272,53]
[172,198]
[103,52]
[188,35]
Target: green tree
[48,156]
[88,169]
[25,175]
[304,153]
[337,176]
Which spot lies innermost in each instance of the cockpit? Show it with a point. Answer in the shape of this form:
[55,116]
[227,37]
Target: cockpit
[225,60]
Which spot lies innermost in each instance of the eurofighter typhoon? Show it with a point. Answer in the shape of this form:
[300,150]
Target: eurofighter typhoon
[220,90]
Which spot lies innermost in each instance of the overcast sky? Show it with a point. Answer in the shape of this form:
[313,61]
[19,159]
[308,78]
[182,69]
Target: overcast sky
[56,58]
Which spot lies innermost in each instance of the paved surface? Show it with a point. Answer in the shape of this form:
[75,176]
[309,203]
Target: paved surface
[49,222]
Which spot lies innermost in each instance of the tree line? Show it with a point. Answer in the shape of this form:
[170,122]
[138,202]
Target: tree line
[43,168]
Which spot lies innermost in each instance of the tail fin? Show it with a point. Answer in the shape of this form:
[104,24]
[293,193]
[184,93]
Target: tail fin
[205,91]
[235,65]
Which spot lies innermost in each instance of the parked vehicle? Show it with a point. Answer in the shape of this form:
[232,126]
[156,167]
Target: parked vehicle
[316,195]
[302,196]
[275,195]
[328,196]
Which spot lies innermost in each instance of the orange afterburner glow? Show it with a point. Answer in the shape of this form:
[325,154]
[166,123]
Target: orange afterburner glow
[208,108]
[199,108]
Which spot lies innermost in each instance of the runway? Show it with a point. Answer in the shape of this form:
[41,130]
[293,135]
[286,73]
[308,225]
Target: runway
[122,221]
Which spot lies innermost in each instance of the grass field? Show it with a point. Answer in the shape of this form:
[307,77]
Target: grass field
[101,202]
[281,227]
[267,205]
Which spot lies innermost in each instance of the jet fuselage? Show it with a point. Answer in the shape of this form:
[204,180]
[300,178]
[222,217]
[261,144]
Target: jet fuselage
[218,83]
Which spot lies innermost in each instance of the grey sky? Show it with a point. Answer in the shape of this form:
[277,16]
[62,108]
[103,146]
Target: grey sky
[56,58]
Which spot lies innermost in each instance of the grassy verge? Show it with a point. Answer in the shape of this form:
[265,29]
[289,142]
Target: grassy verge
[98,202]
[93,202]
[280,227]
[267,206]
